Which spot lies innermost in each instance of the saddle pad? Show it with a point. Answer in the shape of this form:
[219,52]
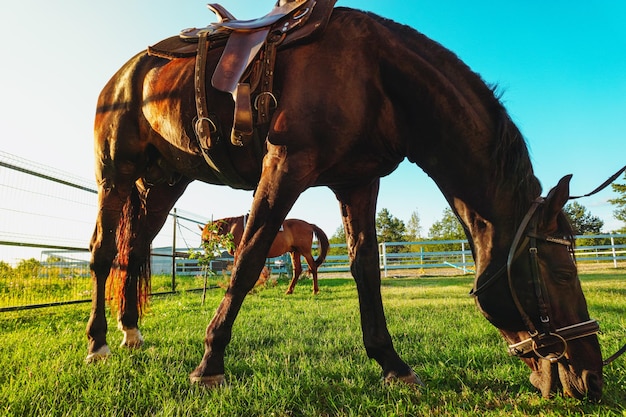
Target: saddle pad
[176,47]
[173,47]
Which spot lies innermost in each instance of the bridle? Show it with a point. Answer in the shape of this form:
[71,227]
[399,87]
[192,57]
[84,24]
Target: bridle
[546,336]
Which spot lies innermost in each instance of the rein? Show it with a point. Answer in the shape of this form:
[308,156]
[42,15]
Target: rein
[547,337]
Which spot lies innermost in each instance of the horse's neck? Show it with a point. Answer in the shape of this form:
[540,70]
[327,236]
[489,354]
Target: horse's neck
[471,148]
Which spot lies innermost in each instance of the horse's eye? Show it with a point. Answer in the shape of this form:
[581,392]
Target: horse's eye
[564,275]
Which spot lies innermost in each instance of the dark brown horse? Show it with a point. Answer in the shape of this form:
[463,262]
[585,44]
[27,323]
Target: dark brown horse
[295,238]
[353,104]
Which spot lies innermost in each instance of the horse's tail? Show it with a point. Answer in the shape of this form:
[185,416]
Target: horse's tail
[324,245]
[128,238]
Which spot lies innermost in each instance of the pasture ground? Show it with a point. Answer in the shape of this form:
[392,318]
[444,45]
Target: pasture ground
[298,355]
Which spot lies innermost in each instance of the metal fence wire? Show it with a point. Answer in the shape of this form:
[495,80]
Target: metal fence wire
[47,217]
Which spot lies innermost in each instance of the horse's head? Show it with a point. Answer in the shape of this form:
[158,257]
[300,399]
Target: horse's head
[221,227]
[211,229]
[537,303]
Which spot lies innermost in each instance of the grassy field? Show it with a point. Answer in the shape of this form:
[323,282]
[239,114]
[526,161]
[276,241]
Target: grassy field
[298,355]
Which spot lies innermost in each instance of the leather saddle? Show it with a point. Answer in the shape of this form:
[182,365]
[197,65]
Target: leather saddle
[245,41]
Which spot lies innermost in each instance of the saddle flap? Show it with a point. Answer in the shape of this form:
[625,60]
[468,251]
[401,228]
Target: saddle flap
[239,52]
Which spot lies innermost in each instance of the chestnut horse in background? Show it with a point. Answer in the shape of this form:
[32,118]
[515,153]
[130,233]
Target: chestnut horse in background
[351,105]
[295,237]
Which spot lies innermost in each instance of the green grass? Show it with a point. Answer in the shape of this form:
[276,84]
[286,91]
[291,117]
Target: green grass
[298,355]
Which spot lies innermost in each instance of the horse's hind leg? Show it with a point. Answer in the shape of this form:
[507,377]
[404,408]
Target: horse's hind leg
[297,271]
[308,257]
[358,210]
[103,251]
[156,202]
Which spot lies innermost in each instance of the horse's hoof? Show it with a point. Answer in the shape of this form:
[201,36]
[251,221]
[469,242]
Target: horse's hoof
[289,292]
[132,338]
[211,381]
[100,354]
[410,379]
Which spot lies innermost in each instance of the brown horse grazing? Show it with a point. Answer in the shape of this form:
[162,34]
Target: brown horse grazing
[353,103]
[295,238]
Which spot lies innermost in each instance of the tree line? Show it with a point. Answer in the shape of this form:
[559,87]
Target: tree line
[391,229]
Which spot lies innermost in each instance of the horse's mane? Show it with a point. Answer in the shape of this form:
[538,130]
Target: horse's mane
[513,170]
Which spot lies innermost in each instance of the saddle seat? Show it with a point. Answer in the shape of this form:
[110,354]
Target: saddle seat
[228,21]
[247,37]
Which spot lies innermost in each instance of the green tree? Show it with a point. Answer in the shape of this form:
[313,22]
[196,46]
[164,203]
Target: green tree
[5,269]
[413,228]
[339,237]
[582,221]
[51,259]
[28,268]
[389,228]
[448,228]
[620,212]
[213,243]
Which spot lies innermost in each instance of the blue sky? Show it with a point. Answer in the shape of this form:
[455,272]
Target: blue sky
[561,65]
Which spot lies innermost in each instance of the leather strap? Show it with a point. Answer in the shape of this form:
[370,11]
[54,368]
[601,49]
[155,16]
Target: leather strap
[603,185]
[516,242]
[266,97]
[242,124]
[203,124]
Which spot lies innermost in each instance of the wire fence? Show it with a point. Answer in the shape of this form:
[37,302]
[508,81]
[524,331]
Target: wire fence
[47,217]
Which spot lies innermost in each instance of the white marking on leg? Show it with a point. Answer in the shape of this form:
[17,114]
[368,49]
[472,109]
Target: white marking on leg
[132,336]
[99,354]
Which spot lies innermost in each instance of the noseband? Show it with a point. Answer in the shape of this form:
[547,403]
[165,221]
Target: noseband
[547,336]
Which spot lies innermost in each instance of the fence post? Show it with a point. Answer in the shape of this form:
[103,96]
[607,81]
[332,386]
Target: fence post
[613,252]
[383,254]
[175,223]
[463,257]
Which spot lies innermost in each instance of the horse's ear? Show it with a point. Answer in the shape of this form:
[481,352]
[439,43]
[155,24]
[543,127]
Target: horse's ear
[557,197]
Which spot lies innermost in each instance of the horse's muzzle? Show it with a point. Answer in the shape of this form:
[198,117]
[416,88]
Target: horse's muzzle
[551,377]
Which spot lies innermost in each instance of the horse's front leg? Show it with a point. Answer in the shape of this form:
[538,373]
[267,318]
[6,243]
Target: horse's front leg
[358,210]
[273,199]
